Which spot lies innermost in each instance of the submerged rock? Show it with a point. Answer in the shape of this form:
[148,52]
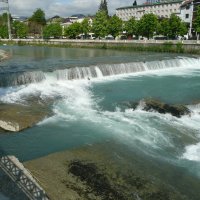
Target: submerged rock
[163,108]
[4,55]
[95,172]
[97,182]
[17,117]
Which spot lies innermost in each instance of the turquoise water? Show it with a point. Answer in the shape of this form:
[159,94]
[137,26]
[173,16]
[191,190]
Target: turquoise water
[91,110]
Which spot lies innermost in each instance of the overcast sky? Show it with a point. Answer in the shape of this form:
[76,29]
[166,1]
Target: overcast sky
[64,8]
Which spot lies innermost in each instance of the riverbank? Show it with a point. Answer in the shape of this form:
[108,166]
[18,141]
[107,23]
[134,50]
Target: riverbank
[174,46]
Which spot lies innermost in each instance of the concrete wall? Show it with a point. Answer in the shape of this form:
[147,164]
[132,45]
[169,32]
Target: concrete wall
[187,45]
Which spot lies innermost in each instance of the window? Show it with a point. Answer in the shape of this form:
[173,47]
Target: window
[187,7]
[187,16]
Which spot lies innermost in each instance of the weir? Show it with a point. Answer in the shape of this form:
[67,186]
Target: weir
[98,71]
[123,68]
[14,79]
[22,178]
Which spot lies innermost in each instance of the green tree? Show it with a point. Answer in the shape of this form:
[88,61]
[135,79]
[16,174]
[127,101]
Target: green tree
[115,26]
[197,21]
[52,30]
[163,27]
[85,26]
[20,29]
[37,22]
[38,17]
[176,27]
[73,30]
[147,25]
[3,19]
[100,24]
[104,6]
[131,27]
[3,31]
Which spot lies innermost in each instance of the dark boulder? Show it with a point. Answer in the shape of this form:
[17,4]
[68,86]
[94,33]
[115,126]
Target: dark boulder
[163,108]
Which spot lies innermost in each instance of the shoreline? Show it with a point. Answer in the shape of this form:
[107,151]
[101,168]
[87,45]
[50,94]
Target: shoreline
[170,46]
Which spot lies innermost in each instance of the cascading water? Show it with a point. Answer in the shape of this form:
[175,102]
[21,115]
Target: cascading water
[123,68]
[89,112]
[98,71]
[15,79]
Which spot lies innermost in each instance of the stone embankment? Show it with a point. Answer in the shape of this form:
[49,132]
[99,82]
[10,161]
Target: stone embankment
[176,46]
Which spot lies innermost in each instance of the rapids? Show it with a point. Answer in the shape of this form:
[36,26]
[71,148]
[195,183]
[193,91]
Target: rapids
[88,105]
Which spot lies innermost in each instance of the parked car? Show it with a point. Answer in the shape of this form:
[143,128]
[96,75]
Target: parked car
[159,37]
[121,37]
[91,36]
[109,37]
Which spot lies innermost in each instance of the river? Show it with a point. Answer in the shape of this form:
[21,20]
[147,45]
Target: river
[89,88]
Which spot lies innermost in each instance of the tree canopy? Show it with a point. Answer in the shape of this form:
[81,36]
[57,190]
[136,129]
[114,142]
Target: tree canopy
[3,31]
[73,30]
[20,29]
[176,27]
[3,19]
[197,21]
[115,26]
[131,27]
[100,24]
[163,27]
[37,21]
[104,6]
[38,17]
[148,25]
[52,30]
[4,25]
[85,26]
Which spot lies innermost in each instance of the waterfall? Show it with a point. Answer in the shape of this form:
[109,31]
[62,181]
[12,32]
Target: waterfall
[123,68]
[14,79]
[104,70]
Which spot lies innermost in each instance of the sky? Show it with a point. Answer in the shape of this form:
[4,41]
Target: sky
[64,8]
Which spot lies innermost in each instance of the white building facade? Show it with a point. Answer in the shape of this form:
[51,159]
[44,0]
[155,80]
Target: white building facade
[161,9]
[186,14]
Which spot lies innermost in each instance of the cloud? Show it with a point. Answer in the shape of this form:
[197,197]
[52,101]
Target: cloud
[63,8]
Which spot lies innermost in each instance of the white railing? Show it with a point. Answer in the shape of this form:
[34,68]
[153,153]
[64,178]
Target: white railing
[22,178]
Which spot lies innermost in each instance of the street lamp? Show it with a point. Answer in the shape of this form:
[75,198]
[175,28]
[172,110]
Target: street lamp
[8,16]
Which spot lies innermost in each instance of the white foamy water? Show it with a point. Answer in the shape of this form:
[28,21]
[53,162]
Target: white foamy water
[101,71]
[76,103]
[150,128]
[192,152]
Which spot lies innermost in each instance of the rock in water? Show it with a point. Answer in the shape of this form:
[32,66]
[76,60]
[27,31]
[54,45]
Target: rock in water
[15,117]
[156,105]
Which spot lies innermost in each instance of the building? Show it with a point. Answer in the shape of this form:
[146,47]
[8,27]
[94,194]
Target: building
[187,14]
[162,9]
[73,19]
[157,1]
[19,18]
